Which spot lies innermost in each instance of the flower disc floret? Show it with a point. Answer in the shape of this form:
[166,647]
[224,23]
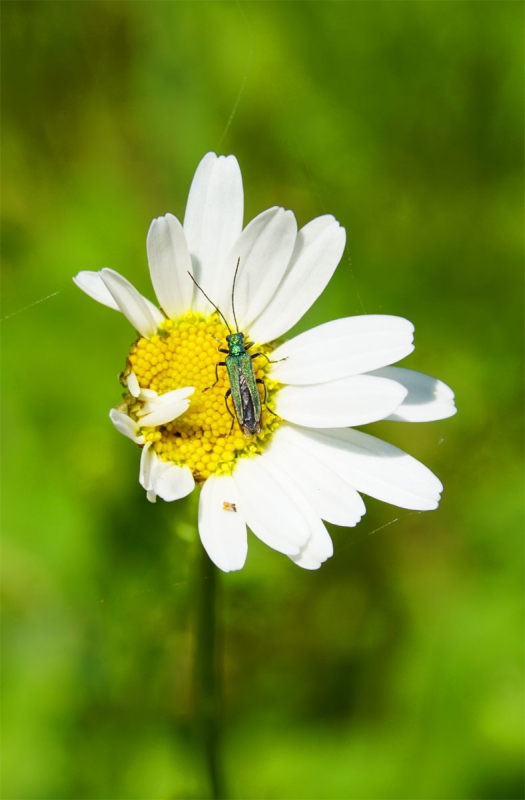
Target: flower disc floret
[206,438]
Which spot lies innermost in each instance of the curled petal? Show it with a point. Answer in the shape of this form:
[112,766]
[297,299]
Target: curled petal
[147,461]
[149,394]
[162,478]
[165,408]
[133,384]
[125,425]
[170,481]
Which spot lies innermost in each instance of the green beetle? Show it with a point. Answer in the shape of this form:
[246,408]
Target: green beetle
[241,375]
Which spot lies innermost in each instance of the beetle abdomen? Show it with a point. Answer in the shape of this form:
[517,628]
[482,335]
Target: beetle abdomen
[251,421]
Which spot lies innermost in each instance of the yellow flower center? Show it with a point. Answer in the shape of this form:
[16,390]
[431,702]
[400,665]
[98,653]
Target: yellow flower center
[185,353]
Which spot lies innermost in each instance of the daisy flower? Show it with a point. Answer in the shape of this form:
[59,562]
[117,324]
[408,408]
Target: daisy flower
[307,463]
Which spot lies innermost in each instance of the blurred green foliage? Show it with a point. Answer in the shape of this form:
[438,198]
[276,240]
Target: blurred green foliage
[396,670]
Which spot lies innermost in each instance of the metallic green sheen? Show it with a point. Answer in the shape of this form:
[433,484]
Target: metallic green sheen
[245,394]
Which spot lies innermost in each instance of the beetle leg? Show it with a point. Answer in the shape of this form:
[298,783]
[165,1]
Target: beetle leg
[267,407]
[269,360]
[217,365]
[261,381]
[228,393]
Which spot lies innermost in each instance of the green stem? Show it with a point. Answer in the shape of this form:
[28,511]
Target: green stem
[207,673]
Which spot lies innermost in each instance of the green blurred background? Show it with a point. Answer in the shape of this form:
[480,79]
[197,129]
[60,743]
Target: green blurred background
[396,670]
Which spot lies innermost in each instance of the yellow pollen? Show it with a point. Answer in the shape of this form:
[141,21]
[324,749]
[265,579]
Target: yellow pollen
[184,353]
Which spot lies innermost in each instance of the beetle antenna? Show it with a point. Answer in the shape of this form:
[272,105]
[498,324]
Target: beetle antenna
[219,312]
[233,292]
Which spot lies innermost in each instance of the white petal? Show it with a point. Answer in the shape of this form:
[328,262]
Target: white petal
[317,252]
[170,481]
[329,495]
[349,401]
[155,312]
[306,559]
[135,307]
[165,407]
[126,425]
[222,527]
[169,263]
[133,384]
[165,413]
[264,249]
[147,462]
[92,284]
[268,509]
[213,221]
[319,545]
[154,400]
[343,347]
[427,399]
[308,556]
[149,394]
[373,467]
